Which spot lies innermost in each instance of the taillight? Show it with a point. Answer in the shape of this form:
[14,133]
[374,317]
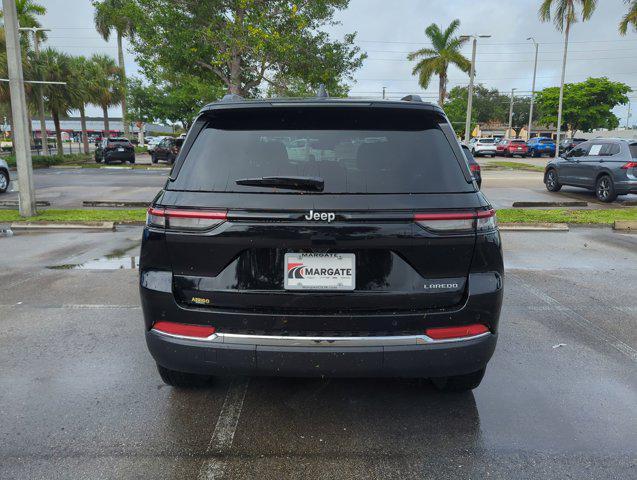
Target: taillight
[184,330]
[459,222]
[190,220]
[474,167]
[628,165]
[446,333]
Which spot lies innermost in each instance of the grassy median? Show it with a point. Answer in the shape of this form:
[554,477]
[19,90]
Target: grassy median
[511,215]
[516,166]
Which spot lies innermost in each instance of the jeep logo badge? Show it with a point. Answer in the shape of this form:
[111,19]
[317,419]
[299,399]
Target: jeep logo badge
[326,217]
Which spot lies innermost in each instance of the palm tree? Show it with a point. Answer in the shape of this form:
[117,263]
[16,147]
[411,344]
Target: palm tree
[82,78]
[445,51]
[28,11]
[112,15]
[56,66]
[105,88]
[630,18]
[564,15]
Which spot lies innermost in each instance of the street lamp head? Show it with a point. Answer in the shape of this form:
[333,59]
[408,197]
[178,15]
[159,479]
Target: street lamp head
[465,37]
[484,36]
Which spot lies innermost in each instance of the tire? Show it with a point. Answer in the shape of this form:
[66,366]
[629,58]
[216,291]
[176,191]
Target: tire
[98,159]
[605,189]
[459,383]
[552,181]
[153,158]
[473,152]
[131,161]
[182,379]
[4,181]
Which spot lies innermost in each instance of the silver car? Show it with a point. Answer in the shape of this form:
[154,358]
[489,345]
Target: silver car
[4,176]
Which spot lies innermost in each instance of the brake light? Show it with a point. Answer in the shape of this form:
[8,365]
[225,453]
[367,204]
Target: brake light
[482,220]
[474,167]
[175,219]
[184,330]
[628,165]
[446,333]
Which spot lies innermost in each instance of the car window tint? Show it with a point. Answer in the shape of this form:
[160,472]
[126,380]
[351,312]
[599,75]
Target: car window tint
[612,149]
[580,151]
[366,151]
[633,150]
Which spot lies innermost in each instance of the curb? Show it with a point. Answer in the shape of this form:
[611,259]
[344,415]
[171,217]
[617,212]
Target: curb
[114,203]
[66,167]
[534,227]
[625,225]
[11,203]
[63,226]
[550,204]
[116,168]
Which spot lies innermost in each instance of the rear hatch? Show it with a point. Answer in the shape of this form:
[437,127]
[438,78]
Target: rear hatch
[291,210]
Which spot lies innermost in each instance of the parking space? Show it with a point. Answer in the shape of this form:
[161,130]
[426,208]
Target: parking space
[80,396]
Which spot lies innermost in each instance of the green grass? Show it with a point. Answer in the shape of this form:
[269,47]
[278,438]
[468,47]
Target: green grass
[78,215]
[511,215]
[564,215]
[517,166]
[42,161]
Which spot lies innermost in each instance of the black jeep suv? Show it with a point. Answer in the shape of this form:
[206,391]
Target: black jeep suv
[321,237]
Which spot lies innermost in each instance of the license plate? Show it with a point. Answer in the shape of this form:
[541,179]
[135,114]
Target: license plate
[120,149]
[519,148]
[320,271]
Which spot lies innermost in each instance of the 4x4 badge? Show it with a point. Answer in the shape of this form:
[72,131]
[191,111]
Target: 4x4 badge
[325,216]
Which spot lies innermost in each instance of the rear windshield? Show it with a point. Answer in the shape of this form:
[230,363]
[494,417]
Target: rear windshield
[546,140]
[486,140]
[518,141]
[633,150]
[352,150]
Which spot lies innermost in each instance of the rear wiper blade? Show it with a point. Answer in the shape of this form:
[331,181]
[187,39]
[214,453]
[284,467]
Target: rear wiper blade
[295,183]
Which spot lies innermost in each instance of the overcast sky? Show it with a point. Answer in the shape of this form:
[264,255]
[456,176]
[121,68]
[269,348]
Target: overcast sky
[388,30]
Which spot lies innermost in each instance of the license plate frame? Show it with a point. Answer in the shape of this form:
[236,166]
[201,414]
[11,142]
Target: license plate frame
[319,271]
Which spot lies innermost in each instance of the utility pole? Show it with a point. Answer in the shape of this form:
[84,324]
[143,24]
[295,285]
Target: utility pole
[19,110]
[528,134]
[628,116]
[511,112]
[384,92]
[36,49]
[561,100]
[467,126]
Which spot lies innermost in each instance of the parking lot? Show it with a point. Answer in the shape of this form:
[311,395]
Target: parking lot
[80,396]
[69,188]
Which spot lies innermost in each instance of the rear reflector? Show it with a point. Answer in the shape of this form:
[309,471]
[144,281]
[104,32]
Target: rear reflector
[184,330]
[176,219]
[444,333]
[628,165]
[457,221]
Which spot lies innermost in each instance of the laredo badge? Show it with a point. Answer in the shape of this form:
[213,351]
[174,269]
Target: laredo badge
[200,301]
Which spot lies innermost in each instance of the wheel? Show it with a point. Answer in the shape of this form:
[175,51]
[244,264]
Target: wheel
[552,182]
[459,383]
[605,189]
[473,152]
[131,161]
[153,158]
[533,153]
[182,379]
[171,160]
[98,159]
[4,181]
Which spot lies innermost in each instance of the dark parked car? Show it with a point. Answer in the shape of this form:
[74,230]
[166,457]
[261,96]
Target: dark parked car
[118,149]
[374,254]
[474,166]
[538,146]
[606,166]
[511,147]
[568,143]
[167,150]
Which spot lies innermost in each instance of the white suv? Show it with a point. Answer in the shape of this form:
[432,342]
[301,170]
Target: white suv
[483,146]
[4,176]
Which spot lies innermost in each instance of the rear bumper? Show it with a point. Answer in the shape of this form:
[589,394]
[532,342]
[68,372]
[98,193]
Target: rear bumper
[125,156]
[367,357]
[625,187]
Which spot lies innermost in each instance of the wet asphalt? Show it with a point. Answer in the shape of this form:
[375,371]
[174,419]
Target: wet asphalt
[80,397]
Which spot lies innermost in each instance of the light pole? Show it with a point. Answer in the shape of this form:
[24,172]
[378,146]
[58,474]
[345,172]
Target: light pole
[36,49]
[19,110]
[384,92]
[511,112]
[528,132]
[467,126]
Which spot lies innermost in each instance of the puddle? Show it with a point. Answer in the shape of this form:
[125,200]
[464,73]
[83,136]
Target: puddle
[109,262]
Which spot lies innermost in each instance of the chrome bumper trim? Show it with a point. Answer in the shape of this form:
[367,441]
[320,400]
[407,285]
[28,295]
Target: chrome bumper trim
[290,341]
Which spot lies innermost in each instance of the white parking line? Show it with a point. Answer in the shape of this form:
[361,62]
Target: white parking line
[223,434]
[580,320]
